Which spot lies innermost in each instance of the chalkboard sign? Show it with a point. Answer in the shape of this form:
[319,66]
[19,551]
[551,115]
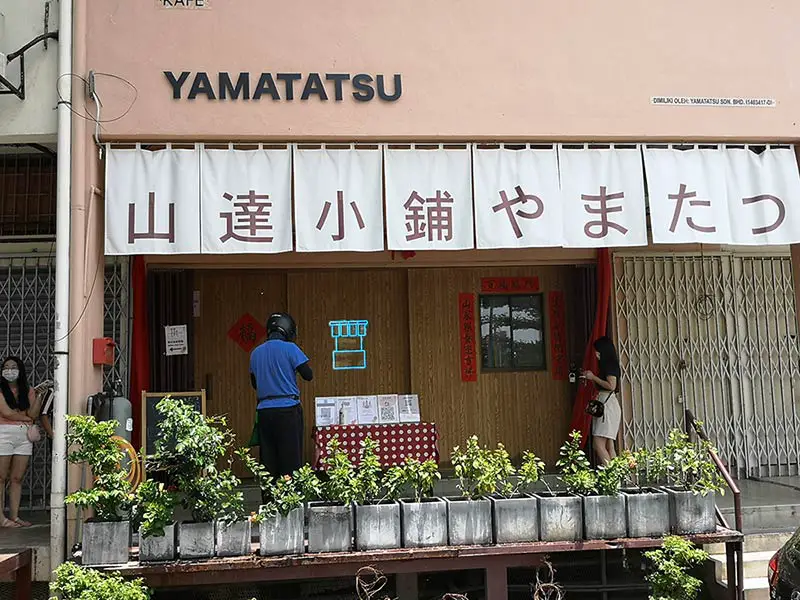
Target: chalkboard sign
[151,417]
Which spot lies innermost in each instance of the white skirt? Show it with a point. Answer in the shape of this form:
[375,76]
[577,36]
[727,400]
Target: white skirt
[607,426]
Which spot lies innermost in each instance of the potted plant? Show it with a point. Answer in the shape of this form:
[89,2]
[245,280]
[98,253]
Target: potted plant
[646,506]
[107,535]
[669,570]
[281,519]
[73,582]
[330,521]
[377,515]
[515,513]
[187,452]
[604,516]
[423,518]
[561,512]
[154,514]
[693,484]
[469,518]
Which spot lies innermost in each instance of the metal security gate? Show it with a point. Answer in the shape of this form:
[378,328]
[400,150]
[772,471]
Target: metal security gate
[27,299]
[716,334]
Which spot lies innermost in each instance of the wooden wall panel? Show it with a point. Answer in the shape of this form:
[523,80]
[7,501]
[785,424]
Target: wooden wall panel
[379,296]
[523,410]
[224,297]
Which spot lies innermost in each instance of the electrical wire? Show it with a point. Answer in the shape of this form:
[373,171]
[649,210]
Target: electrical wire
[86,114]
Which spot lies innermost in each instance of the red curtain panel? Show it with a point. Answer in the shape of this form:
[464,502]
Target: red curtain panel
[580,420]
[140,346]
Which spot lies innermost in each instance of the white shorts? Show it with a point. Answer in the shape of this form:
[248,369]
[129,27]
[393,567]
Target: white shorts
[607,426]
[14,440]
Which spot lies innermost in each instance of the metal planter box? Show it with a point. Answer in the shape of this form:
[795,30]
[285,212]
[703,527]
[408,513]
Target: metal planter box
[161,548]
[560,518]
[691,513]
[281,535]
[378,526]
[234,539]
[330,527]
[469,522]
[515,519]
[423,524]
[604,517]
[105,543]
[196,540]
[648,513]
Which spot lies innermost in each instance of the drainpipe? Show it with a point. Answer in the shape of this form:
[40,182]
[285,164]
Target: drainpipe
[58,516]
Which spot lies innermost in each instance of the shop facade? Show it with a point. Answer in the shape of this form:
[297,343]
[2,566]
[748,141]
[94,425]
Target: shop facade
[412,100]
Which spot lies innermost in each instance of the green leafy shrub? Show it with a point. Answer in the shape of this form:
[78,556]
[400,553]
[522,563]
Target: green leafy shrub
[188,449]
[688,465]
[282,495]
[341,484]
[367,482]
[669,568]
[154,508]
[475,468]
[609,479]
[73,582]
[110,497]
[510,481]
[576,471]
[420,477]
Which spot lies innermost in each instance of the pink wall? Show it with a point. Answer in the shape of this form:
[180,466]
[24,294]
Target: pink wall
[472,69]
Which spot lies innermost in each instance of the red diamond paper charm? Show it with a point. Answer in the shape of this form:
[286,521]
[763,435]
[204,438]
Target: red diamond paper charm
[247,332]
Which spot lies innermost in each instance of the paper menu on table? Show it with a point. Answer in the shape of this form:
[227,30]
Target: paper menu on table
[409,408]
[388,409]
[367,410]
[327,411]
[348,410]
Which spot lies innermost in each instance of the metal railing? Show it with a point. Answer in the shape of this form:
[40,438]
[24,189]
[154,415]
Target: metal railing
[734,552]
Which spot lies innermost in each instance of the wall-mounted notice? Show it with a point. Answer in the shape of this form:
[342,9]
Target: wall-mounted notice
[367,410]
[388,409]
[326,411]
[176,340]
[712,101]
[409,408]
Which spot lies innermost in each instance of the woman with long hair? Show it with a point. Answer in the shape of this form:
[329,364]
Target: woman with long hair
[18,411]
[605,429]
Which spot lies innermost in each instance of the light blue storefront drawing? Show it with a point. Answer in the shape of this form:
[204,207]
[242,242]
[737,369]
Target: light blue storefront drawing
[346,334]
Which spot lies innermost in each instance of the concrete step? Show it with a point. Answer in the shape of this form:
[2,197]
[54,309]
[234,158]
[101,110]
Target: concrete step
[776,517]
[756,542]
[755,588]
[755,564]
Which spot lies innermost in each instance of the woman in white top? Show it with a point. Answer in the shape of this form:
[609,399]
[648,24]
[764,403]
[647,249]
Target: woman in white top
[19,408]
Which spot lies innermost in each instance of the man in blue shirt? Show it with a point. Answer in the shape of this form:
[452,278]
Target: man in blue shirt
[274,366]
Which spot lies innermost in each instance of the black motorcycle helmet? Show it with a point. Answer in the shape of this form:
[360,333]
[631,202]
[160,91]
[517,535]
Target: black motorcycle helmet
[283,324]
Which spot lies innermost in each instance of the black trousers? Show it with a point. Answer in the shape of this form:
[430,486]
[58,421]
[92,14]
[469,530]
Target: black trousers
[280,432]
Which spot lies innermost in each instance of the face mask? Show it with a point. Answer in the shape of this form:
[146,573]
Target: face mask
[11,375]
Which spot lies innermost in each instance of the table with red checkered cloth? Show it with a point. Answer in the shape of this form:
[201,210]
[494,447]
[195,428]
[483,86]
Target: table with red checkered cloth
[396,441]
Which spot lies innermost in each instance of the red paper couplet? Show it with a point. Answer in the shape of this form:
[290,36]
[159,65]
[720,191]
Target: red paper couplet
[466,319]
[509,285]
[558,336]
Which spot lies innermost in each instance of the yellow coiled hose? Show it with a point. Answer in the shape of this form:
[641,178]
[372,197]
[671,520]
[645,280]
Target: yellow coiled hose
[135,474]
